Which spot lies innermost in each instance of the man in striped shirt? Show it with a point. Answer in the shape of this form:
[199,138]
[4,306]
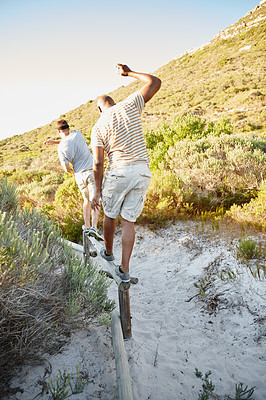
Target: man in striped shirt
[118,132]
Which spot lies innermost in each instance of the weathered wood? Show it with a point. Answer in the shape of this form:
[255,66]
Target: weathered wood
[122,369]
[88,248]
[74,246]
[123,292]
[108,265]
[124,308]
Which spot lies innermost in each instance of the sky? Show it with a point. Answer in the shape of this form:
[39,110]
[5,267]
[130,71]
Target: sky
[57,54]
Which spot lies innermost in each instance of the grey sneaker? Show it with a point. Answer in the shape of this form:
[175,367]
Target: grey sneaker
[94,233]
[105,256]
[124,276]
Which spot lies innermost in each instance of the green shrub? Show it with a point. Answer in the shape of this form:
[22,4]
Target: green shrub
[68,195]
[38,191]
[44,287]
[248,248]
[9,199]
[207,174]
[164,197]
[252,213]
[190,127]
[53,178]
[21,176]
[225,169]
[242,392]
[70,201]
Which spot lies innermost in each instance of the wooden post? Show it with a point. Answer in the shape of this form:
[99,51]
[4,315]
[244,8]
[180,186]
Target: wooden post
[86,248]
[124,307]
[122,370]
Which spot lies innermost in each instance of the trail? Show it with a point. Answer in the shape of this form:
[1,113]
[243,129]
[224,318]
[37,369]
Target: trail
[174,329]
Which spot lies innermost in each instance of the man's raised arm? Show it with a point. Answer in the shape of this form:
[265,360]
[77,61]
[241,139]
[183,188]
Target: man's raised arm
[51,142]
[153,83]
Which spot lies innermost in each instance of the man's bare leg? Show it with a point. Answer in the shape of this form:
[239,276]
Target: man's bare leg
[86,213]
[95,217]
[108,231]
[128,239]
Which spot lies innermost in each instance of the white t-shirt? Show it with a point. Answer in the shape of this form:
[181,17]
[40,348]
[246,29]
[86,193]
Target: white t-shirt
[73,148]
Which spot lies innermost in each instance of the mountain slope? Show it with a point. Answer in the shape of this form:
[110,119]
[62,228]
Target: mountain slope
[224,78]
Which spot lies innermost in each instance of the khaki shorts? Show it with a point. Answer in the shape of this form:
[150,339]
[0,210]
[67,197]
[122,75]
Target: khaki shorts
[85,182]
[124,191]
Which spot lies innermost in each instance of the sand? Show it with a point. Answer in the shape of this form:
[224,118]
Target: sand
[174,329]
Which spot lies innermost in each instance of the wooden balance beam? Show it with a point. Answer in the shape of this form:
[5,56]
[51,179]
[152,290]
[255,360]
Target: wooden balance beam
[123,292]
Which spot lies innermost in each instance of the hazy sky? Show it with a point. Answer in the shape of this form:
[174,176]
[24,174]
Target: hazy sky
[58,54]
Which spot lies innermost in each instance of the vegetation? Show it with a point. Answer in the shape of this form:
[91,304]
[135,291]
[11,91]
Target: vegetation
[248,249]
[46,290]
[205,131]
[66,384]
[201,166]
[242,392]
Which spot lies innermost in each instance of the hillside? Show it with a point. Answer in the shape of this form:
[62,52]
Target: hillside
[204,129]
[226,77]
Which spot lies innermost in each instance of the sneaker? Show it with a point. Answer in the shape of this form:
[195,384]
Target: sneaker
[94,233]
[124,276]
[105,256]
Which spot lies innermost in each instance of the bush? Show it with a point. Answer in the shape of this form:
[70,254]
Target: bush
[252,213]
[190,127]
[225,169]
[38,191]
[207,174]
[8,196]
[68,195]
[22,176]
[248,248]
[70,201]
[43,288]
[164,198]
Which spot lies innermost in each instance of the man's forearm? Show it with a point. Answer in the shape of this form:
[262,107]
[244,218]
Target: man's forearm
[98,167]
[52,141]
[68,169]
[152,83]
[98,177]
[141,76]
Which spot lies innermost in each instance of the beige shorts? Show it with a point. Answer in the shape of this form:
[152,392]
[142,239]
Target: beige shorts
[85,182]
[124,191]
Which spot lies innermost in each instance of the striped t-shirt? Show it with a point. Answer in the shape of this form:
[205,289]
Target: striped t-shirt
[119,132]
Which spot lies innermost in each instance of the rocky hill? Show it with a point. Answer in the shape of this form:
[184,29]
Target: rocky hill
[223,78]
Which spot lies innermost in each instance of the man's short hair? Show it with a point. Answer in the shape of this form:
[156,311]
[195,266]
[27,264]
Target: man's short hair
[105,100]
[62,124]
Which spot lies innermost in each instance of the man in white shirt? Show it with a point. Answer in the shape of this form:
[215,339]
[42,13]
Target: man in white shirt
[72,148]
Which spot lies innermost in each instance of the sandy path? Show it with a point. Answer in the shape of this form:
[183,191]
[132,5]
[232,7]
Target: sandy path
[223,332]
[174,330]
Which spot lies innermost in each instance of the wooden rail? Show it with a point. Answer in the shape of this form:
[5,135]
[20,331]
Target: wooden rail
[109,266]
[122,369]
[120,325]
[123,292]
